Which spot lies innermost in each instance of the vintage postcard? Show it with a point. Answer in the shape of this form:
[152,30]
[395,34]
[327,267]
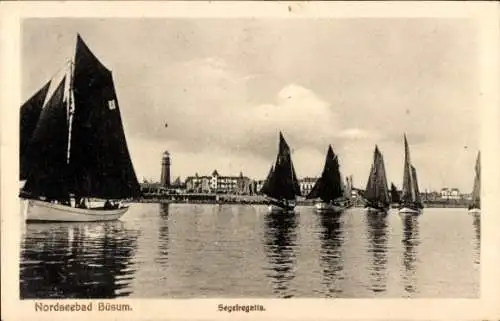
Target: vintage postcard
[227,160]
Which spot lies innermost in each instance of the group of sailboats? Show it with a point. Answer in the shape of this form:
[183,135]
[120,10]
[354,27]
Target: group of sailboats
[378,197]
[74,159]
[281,186]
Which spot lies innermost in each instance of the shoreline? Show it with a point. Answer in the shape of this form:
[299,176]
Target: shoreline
[258,200]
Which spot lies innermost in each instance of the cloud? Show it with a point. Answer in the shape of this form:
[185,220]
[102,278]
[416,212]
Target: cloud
[213,125]
[207,108]
[208,114]
[359,134]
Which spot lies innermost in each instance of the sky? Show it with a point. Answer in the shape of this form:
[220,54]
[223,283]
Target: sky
[226,87]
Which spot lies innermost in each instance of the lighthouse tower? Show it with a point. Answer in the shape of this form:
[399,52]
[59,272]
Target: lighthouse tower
[165,169]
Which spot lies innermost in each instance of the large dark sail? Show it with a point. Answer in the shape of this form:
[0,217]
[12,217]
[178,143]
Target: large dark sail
[29,115]
[266,186]
[48,146]
[376,188]
[282,183]
[476,191]
[329,186]
[99,157]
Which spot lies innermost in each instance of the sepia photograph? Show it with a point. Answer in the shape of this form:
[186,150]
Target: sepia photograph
[243,157]
[248,157]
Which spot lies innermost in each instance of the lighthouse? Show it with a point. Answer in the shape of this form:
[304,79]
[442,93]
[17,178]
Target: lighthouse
[165,169]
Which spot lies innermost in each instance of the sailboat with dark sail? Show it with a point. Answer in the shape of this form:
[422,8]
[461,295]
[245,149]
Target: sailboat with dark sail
[376,192]
[328,188]
[281,185]
[475,206]
[73,147]
[395,197]
[411,203]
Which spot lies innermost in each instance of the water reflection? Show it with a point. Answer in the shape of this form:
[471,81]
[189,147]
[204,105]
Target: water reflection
[377,250]
[77,260]
[476,223]
[280,243]
[163,236]
[331,263]
[411,240]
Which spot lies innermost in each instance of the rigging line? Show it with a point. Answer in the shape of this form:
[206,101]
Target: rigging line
[51,77]
[63,65]
[67,65]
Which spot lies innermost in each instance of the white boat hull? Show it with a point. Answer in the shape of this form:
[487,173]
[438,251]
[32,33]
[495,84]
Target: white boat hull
[328,207]
[277,209]
[409,211]
[49,212]
[475,211]
[373,210]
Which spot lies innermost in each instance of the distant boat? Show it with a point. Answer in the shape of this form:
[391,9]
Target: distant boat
[411,202]
[475,206]
[376,192]
[281,185]
[73,147]
[395,197]
[328,188]
[347,187]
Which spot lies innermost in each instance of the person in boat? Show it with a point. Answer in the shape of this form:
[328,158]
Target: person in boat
[80,202]
[109,205]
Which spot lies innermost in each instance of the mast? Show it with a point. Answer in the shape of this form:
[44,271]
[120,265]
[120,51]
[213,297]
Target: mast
[70,97]
[476,191]
[71,111]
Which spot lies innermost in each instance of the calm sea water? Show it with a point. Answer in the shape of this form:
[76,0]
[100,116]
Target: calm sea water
[193,251]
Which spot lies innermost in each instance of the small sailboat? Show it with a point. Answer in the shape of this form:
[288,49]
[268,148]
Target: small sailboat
[475,206]
[395,197]
[347,187]
[411,202]
[281,185]
[73,147]
[328,188]
[376,192]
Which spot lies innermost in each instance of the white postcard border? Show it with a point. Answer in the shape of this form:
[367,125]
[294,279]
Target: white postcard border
[485,14]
